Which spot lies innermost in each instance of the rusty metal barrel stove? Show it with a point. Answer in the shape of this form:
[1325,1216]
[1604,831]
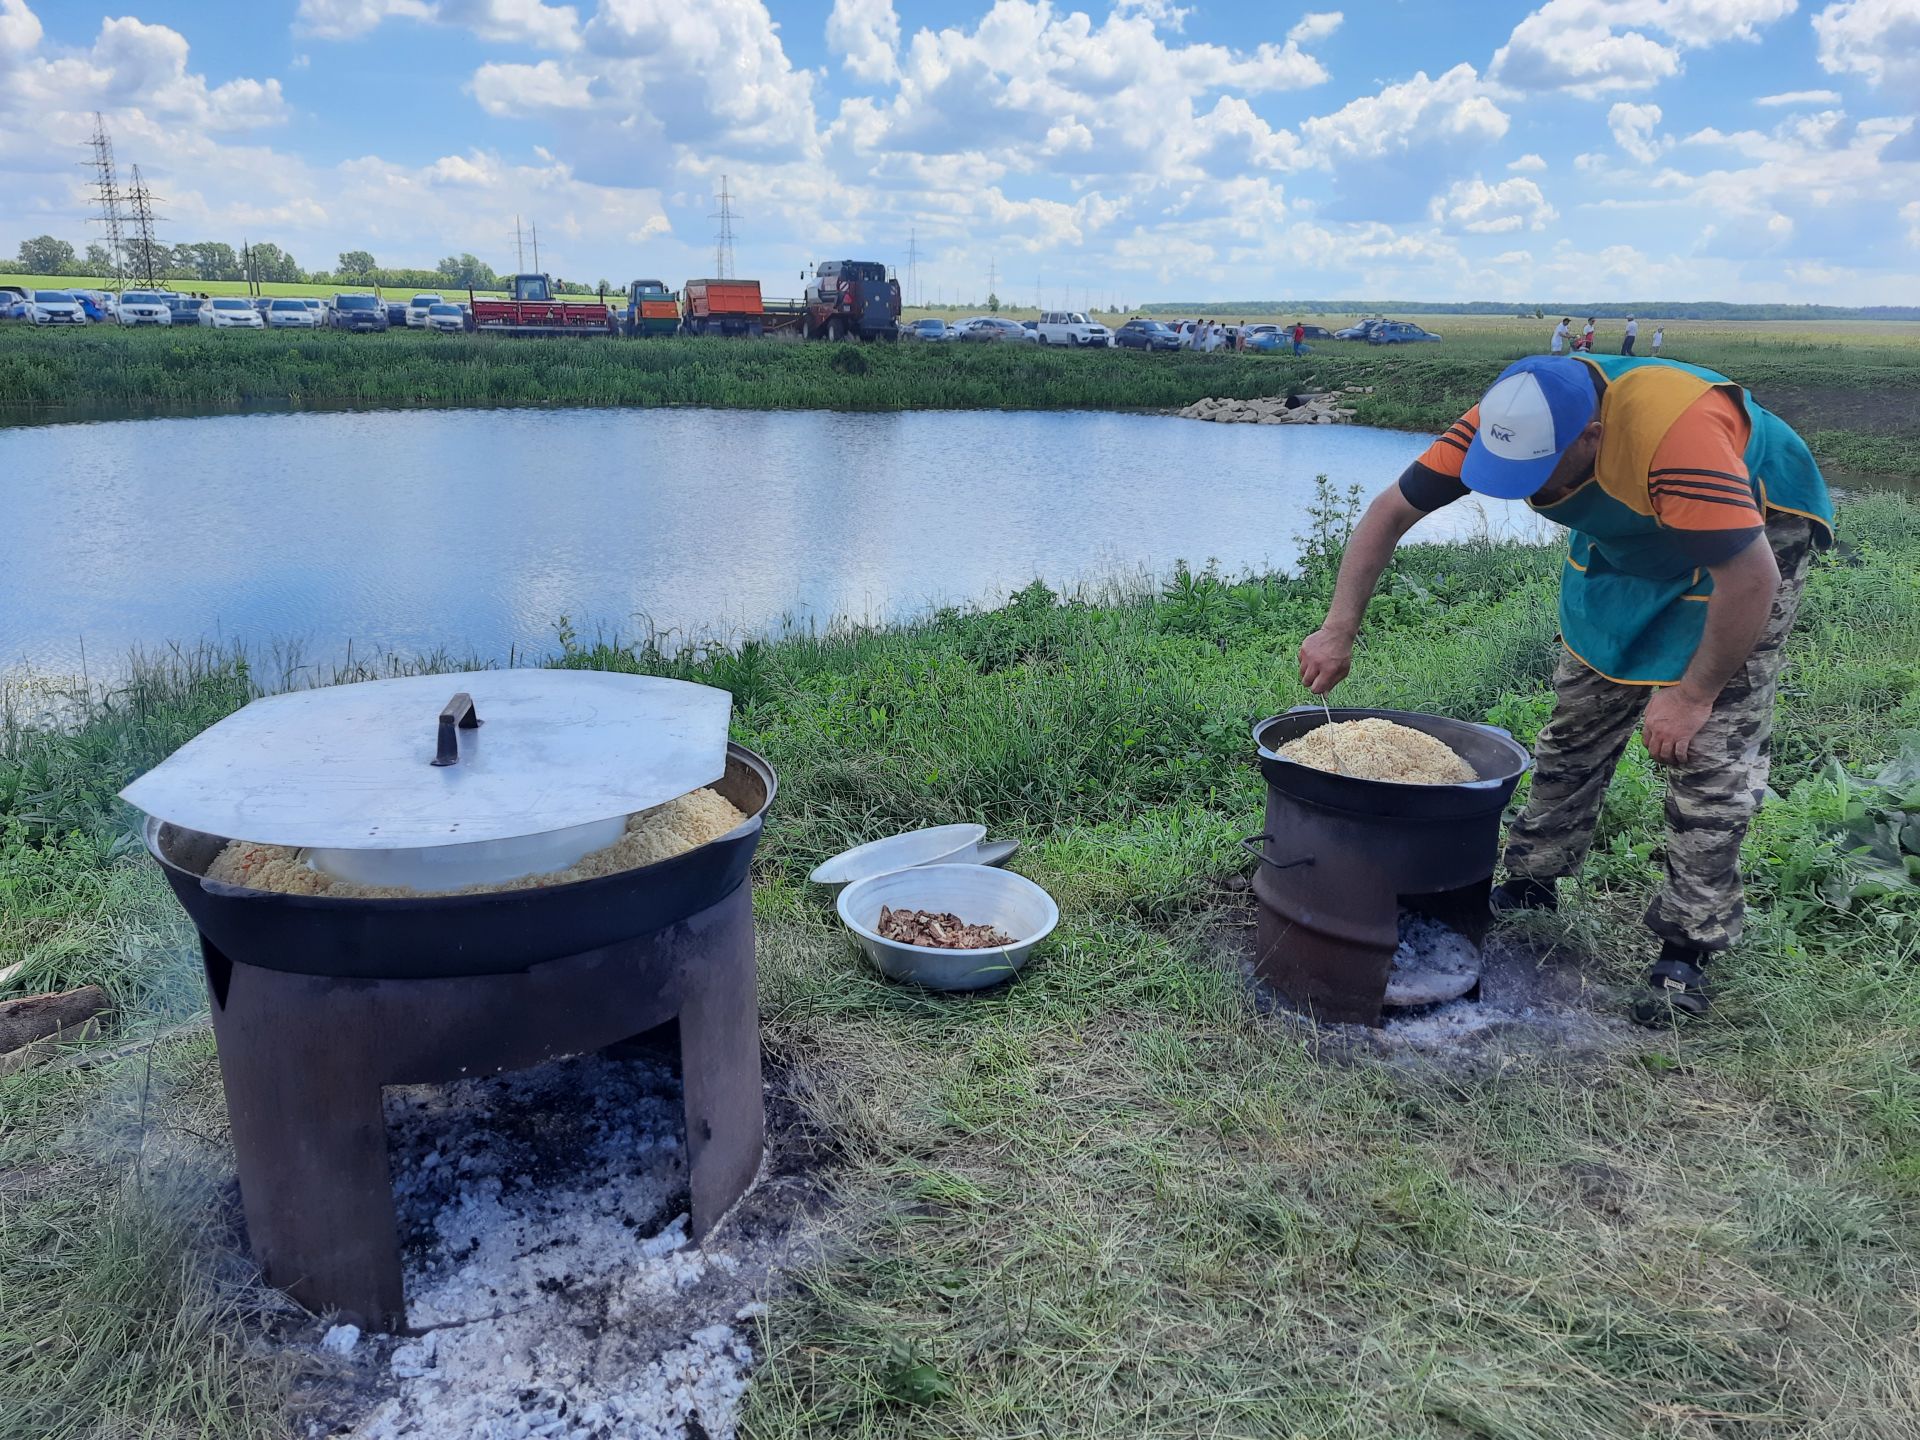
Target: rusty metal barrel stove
[1341,856]
[320,1000]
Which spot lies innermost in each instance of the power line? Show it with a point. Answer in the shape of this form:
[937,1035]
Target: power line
[106,193]
[993,277]
[519,248]
[723,236]
[531,225]
[913,266]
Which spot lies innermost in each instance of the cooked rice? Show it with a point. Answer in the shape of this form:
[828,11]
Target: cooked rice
[1379,750]
[682,824]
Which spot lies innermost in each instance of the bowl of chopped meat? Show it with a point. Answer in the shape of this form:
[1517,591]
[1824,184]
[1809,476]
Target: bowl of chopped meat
[948,927]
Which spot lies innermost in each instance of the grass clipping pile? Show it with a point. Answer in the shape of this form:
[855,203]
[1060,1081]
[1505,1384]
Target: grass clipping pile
[682,824]
[1379,750]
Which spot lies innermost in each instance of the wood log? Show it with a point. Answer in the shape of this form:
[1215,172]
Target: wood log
[40,1017]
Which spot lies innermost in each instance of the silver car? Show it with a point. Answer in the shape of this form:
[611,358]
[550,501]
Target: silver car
[144,307]
[287,314]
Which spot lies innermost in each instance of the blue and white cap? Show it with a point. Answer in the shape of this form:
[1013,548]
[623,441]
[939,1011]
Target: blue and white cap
[1535,410]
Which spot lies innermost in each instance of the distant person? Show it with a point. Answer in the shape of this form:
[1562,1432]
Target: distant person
[1586,336]
[1299,338]
[1626,340]
[1561,333]
[1659,339]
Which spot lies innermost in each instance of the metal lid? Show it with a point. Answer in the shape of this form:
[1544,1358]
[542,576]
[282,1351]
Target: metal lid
[388,764]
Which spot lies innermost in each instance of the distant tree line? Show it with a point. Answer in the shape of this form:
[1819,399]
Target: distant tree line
[1530,310]
[216,260]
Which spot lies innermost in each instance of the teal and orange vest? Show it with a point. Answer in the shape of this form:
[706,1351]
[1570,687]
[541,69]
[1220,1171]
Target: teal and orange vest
[1631,602]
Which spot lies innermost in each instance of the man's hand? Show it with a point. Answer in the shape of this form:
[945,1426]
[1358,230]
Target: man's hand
[1674,716]
[1325,658]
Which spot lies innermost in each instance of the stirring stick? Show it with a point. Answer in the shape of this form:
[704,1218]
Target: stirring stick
[1333,742]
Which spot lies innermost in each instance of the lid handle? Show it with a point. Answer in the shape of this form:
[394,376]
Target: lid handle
[459,715]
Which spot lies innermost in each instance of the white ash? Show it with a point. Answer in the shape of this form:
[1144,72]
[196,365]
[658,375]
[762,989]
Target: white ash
[340,1340]
[1427,945]
[543,1222]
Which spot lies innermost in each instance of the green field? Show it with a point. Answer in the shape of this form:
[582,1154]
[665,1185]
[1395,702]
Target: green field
[1114,1199]
[1854,390]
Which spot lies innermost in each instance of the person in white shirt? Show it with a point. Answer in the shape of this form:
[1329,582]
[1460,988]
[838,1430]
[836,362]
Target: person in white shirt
[1633,329]
[1659,339]
[1586,336]
[1560,332]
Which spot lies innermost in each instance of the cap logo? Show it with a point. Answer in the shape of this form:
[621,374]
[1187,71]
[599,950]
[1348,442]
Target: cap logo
[1501,433]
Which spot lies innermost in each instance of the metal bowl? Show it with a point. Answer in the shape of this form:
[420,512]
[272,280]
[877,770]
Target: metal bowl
[1498,762]
[935,845]
[978,894]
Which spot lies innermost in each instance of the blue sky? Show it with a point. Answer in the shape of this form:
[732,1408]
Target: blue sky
[1123,151]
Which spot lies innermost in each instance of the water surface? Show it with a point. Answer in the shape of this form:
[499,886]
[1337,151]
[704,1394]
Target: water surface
[476,530]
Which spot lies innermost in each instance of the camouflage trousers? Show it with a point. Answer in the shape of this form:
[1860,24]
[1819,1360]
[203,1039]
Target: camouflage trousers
[1711,797]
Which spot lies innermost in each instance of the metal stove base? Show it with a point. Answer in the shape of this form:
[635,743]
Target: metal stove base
[1336,969]
[304,1058]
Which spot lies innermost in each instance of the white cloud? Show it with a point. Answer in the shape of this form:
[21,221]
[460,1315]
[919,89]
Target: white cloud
[509,22]
[1634,130]
[866,35]
[1910,212]
[1163,13]
[1597,45]
[1800,97]
[1528,164]
[1314,26]
[19,31]
[134,67]
[1879,39]
[516,90]
[1451,108]
[1482,209]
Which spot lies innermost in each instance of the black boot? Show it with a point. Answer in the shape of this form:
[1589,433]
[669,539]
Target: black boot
[1523,893]
[1677,987]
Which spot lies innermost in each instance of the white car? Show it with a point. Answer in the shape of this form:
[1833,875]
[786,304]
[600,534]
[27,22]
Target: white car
[417,309]
[321,319]
[1070,327]
[447,319]
[55,307]
[232,312]
[286,314]
[144,307]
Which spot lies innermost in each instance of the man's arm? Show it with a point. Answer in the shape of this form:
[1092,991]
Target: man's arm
[1744,586]
[1327,654]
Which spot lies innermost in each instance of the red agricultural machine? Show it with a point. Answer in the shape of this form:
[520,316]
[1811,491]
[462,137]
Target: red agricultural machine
[534,310]
[735,307]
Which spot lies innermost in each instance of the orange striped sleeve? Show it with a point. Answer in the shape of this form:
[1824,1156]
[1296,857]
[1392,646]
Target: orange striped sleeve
[1698,479]
[1448,454]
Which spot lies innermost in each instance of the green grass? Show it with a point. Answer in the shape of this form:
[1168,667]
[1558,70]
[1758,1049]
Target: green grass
[1111,1200]
[1856,393]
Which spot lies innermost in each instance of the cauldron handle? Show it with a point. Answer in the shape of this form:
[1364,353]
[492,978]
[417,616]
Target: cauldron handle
[1251,844]
[458,715]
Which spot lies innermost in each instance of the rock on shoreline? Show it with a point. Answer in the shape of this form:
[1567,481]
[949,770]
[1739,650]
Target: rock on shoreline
[1309,407]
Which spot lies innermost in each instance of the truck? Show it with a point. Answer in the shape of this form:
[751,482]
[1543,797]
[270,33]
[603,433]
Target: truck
[846,299]
[535,310]
[651,309]
[735,307]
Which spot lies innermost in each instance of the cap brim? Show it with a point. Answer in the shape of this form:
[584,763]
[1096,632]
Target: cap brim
[1485,473]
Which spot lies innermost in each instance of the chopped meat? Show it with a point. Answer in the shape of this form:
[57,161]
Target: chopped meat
[938,931]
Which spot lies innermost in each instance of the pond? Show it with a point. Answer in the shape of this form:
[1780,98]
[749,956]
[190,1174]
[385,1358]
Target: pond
[476,531]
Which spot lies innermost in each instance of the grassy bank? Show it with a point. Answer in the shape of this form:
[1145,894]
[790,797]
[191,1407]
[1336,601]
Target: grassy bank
[1112,1199]
[1854,393]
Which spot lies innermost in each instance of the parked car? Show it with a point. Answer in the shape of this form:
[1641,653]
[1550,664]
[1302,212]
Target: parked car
[991,328]
[55,307]
[185,308]
[144,307]
[99,306]
[417,309]
[1314,332]
[1139,334]
[1070,327]
[928,329]
[396,314]
[1398,332]
[231,312]
[13,304]
[359,312]
[447,319]
[285,313]
[1359,330]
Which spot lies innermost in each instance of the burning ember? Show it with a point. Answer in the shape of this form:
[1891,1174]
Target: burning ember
[939,931]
